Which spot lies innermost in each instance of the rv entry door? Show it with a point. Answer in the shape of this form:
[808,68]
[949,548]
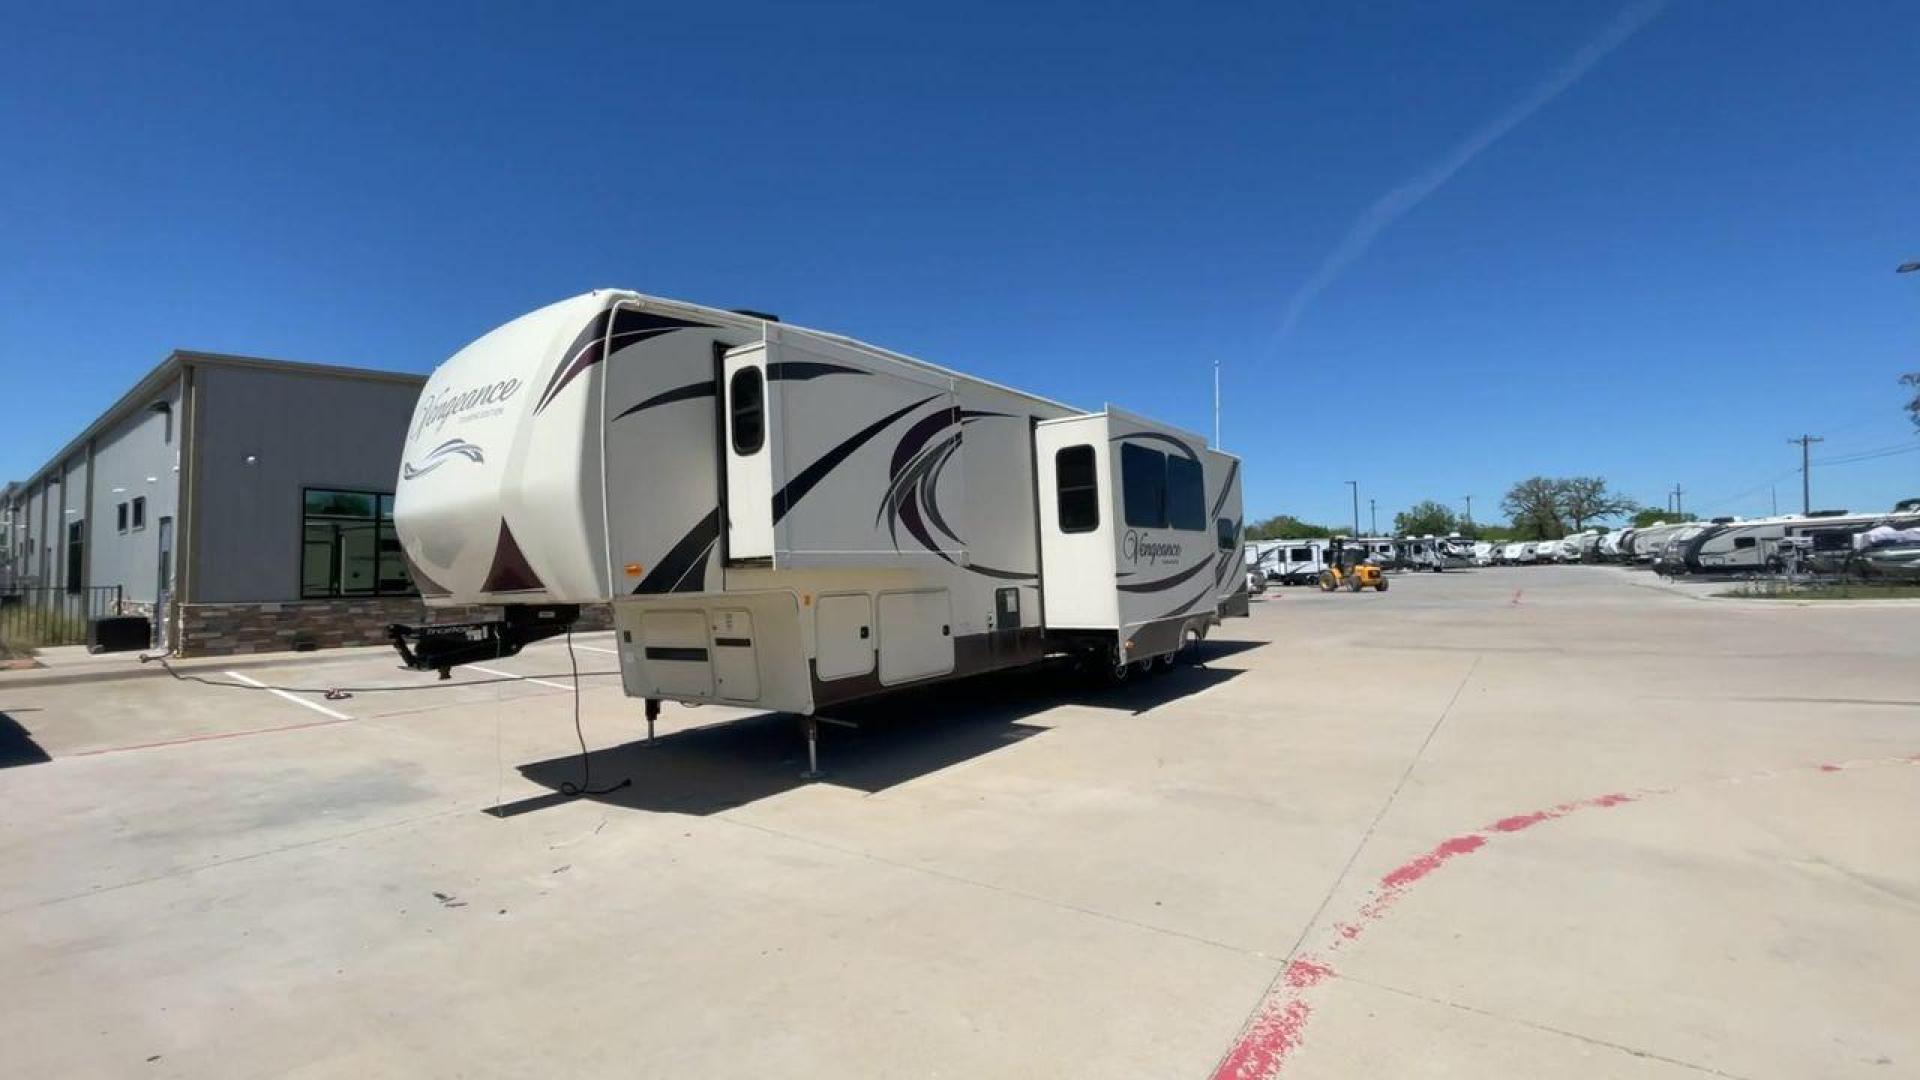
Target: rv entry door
[749,446]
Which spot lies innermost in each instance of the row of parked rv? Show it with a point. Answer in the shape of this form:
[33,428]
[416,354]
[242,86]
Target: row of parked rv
[1831,541]
[1871,545]
[1299,562]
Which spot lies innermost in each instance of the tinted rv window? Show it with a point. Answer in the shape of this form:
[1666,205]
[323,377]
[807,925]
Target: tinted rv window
[1078,489]
[1304,554]
[746,398]
[1143,479]
[1186,494]
[1743,541]
[1223,532]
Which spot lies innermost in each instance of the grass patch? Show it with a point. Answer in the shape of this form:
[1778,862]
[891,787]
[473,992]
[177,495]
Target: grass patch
[21,632]
[1843,590]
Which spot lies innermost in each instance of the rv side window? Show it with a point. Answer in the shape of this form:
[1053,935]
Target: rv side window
[1186,494]
[1078,489]
[1223,529]
[1304,554]
[1143,479]
[1743,541]
[746,398]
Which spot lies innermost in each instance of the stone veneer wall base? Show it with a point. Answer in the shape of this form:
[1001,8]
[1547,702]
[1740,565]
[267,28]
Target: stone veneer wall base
[237,629]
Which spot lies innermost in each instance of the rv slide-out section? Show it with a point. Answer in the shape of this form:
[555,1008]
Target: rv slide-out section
[1140,534]
[789,519]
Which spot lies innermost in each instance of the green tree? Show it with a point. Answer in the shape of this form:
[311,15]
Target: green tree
[1285,527]
[1533,505]
[1425,518]
[1585,498]
[1649,516]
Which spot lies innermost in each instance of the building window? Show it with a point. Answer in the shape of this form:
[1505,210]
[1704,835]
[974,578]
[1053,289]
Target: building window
[1143,483]
[348,546]
[747,400]
[120,516]
[1077,485]
[139,511]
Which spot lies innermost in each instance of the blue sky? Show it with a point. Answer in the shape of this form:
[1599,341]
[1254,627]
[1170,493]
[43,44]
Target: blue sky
[1656,263]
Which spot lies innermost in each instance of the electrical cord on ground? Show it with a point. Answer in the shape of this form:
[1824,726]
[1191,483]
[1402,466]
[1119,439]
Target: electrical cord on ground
[567,787]
[341,693]
[336,693]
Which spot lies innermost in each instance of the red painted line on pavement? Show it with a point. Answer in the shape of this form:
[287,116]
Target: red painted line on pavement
[1408,873]
[208,738]
[1277,1026]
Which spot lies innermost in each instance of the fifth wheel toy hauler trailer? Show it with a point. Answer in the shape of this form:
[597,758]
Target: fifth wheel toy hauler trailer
[787,519]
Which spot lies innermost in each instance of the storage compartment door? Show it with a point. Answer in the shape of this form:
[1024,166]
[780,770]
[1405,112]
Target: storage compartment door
[677,662]
[749,445]
[916,635]
[843,636]
[736,665]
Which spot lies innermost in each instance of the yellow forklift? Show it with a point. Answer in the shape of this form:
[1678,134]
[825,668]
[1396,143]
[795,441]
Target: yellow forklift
[1347,565]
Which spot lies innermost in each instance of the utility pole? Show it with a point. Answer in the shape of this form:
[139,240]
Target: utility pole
[1773,490]
[1355,485]
[1678,510]
[1469,511]
[1806,485]
[1373,519]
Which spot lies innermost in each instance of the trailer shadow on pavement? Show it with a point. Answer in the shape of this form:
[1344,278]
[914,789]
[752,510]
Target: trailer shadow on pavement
[17,746]
[868,747]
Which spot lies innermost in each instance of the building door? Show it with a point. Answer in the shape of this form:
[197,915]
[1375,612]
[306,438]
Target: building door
[163,584]
[76,555]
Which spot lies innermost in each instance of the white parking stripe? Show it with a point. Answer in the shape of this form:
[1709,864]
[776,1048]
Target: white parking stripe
[522,678]
[295,698]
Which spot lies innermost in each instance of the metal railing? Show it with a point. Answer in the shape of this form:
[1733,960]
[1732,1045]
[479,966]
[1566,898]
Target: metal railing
[33,616]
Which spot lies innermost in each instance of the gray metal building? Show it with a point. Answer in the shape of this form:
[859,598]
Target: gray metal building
[244,504]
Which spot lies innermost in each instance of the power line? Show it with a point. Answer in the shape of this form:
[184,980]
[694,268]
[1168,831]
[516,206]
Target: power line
[1870,455]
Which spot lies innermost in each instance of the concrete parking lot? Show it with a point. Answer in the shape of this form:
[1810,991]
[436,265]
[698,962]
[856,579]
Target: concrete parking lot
[1533,822]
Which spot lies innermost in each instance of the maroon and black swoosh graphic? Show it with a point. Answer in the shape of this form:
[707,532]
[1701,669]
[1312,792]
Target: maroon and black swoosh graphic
[778,371]
[510,571]
[608,332]
[912,496]
[683,569]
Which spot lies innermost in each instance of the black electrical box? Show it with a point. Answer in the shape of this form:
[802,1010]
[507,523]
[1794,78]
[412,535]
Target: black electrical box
[119,633]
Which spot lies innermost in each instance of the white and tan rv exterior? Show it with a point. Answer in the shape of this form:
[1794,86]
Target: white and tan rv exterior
[1300,561]
[1670,556]
[1648,541]
[1749,546]
[789,519]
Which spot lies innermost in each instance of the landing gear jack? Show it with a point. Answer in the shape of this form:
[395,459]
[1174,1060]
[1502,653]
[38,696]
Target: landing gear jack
[813,748]
[653,713]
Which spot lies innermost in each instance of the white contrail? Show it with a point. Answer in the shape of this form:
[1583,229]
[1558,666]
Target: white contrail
[1395,204]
